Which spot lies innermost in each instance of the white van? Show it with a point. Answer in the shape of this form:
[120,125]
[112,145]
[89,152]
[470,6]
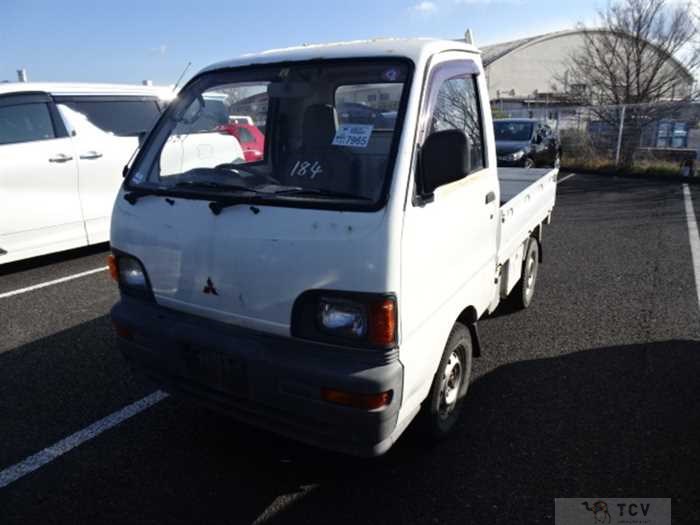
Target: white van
[62,151]
[330,291]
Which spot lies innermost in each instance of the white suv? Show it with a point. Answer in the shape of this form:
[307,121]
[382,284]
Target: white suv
[62,151]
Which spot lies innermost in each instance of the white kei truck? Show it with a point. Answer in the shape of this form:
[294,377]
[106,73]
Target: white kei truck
[329,292]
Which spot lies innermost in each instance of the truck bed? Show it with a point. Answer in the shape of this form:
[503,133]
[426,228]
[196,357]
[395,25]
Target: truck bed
[527,199]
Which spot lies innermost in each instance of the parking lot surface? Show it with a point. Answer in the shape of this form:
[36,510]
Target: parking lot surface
[592,392]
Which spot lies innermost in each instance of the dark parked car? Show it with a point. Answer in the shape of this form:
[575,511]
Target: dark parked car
[526,143]
[352,112]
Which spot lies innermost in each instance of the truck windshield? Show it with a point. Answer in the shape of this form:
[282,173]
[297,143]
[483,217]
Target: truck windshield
[326,130]
[512,131]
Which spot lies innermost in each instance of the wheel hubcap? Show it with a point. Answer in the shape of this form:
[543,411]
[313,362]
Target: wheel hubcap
[451,383]
[531,273]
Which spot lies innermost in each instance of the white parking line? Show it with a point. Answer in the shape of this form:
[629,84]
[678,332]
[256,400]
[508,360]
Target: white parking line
[51,283]
[565,178]
[38,460]
[693,236]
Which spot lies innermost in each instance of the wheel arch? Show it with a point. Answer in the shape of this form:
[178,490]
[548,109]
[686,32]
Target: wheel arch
[469,317]
[537,235]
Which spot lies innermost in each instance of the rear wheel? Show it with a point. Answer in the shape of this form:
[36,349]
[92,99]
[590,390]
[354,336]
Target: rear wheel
[441,409]
[521,295]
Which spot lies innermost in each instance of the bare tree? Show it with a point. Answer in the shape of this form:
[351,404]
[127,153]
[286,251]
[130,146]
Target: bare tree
[642,56]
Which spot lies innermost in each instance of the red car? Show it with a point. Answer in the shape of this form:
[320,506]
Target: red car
[251,139]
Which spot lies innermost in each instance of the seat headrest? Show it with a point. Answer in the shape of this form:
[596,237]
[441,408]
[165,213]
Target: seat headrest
[319,126]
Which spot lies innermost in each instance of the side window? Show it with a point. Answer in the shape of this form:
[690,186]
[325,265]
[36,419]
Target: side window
[120,117]
[456,106]
[25,123]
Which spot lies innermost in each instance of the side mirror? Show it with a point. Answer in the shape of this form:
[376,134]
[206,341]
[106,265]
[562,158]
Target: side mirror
[537,139]
[444,158]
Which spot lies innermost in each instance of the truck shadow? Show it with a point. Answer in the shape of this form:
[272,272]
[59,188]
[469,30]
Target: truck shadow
[609,422]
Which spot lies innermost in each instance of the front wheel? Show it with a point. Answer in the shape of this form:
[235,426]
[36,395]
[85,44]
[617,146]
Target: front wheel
[443,405]
[529,163]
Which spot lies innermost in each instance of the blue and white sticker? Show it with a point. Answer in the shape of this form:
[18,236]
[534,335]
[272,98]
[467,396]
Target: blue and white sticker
[353,135]
[138,177]
[392,75]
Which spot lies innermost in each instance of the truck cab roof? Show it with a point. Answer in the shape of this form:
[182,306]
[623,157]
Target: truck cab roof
[415,49]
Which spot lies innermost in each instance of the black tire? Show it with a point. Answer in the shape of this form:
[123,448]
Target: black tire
[529,163]
[439,414]
[521,295]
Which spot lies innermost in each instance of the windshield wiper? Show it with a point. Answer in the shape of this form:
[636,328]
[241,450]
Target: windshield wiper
[132,196]
[215,186]
[223,201]
[322,193]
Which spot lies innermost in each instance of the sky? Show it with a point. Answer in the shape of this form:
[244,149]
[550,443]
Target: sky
[127,41]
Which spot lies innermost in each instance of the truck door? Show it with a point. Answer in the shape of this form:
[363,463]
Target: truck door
[449,245]
[39,204]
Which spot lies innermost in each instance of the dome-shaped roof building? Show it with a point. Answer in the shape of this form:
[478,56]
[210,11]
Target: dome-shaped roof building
[531,78]
[536,67]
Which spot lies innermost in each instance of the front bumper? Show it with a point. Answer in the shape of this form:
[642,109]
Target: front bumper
[264,380]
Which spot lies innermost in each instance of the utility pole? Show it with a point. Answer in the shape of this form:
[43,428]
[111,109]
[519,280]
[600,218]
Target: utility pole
[619,136]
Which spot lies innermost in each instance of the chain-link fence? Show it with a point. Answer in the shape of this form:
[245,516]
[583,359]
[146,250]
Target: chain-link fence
[638,138]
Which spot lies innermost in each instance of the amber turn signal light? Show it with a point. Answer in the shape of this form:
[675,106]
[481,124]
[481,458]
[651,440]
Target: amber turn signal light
[382,322]
[362,401]
[113,269]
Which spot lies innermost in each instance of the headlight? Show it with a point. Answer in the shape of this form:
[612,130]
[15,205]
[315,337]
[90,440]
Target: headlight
[346,318]
[130,275]
[341,317]
[516,155]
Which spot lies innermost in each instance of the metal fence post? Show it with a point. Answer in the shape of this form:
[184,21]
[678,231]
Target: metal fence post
[619,136]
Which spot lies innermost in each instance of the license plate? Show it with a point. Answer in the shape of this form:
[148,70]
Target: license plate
[214,370]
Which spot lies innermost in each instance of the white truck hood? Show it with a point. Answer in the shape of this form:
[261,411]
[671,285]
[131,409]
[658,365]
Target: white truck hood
[258,259]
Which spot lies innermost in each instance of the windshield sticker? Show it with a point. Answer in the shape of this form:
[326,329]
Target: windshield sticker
[353,135]
[307,169]
[137,178]
[392,75]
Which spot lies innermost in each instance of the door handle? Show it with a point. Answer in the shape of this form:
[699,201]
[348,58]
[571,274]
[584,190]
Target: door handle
[490,197]
[61,157]
[91,155]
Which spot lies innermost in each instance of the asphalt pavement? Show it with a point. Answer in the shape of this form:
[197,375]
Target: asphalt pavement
[592,392]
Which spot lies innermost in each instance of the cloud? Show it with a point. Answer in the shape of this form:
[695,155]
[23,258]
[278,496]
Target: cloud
[425,7]
[161,49]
